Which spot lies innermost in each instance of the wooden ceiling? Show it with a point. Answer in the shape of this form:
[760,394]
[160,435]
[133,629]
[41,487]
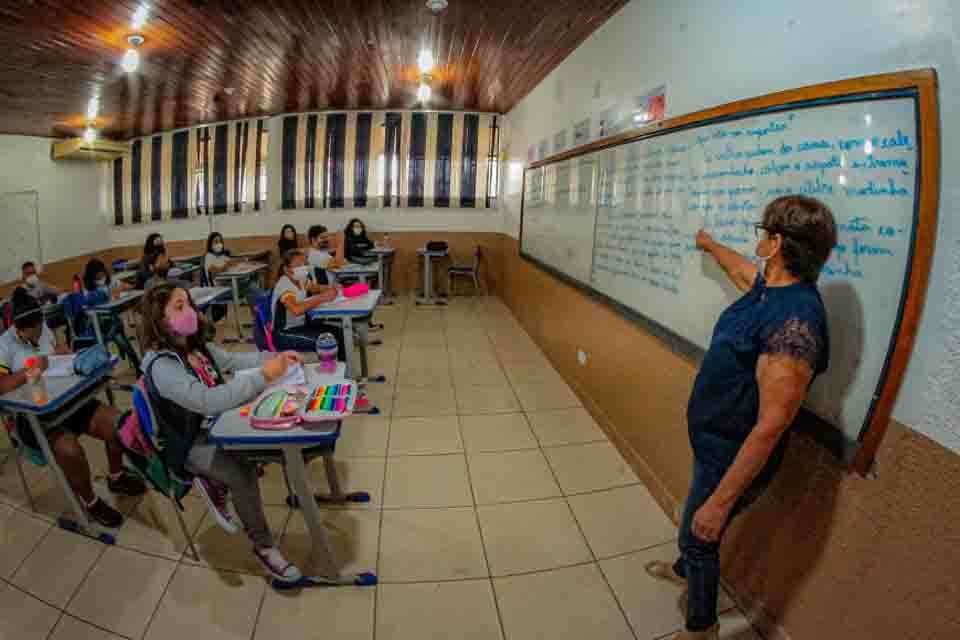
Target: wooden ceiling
[272,56]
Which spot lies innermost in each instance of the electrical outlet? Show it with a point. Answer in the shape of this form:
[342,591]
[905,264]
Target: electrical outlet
[582,357]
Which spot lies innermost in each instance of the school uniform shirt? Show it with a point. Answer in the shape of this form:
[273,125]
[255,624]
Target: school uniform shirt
[214,260]
[286,289]
[14,351]
[41,291]
[319,258]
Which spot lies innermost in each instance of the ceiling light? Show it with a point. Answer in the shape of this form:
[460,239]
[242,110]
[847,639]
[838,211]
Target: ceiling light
[131,59]
[423,94]
[93,108]
[425,61]
[436,5]
[89,135]
[140,16]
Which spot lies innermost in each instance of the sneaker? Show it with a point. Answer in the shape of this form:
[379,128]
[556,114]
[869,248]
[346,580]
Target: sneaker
[274,562]
[105,514]
[127,484]
[216,496]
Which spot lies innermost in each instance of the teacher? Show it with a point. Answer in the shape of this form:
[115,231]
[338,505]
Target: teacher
[766,350]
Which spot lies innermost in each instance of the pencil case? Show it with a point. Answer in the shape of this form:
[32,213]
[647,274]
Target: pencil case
[357,289]
[289,406]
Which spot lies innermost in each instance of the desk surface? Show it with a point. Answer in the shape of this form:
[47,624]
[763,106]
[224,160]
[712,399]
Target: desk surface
[382,251]
[433,254]
[125,298]
[359,306]
[251,255]
[187,258]
[233,429]
[354,268]
[203,296]
[241,270]
[60,391]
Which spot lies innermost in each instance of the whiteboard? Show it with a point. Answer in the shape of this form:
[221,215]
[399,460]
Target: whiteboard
[635,226]
[20,240]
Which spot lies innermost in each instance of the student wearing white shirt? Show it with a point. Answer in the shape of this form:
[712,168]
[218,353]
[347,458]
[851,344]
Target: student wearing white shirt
[24,351]
[321,253]
[293,296]
[217,260]
[40,290]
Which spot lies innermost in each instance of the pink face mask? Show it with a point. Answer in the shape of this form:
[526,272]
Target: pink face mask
[184,324]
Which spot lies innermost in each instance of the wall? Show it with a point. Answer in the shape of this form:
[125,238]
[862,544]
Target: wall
[826,554]
[707,53]
[70,195]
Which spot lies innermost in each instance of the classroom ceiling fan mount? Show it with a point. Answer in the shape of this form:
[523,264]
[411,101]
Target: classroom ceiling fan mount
[436,5]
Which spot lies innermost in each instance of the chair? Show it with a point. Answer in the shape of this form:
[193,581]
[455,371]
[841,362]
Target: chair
[78,324]
[20,451]
[263,323]
[151,467]
[472,272]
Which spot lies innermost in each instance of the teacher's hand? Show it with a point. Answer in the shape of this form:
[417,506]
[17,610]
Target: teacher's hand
[708,521]
[292,357]
[704,240]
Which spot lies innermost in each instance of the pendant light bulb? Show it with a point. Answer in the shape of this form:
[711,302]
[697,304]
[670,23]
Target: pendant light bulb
[423,94]
[131,60]
[89,135]
[425,61]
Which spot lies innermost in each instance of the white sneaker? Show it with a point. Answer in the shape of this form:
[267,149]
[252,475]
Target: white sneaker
[278,566]
[216,496]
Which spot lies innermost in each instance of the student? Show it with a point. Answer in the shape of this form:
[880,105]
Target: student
[153,244]
[40,290]
[29,338]
[217,260]
[158,266]
[294,294]
[187,375]
[357,245]
[288,239]
[98,289]
[319,255]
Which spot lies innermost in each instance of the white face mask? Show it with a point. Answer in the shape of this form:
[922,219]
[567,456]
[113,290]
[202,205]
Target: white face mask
[218,247]
[301,273]
[357,230]
[33,279]
[101,282]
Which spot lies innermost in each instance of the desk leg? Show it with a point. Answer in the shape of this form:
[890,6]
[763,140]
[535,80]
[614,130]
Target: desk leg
[382,277]
[236,307]
[348,344]
[320,543]
[363,328]
[83,524]
[95,319]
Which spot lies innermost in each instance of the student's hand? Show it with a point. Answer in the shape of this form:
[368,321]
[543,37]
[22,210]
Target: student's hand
[326,294]
[704,240]
[275,367]
[62,350]
[292,357]
[708,521]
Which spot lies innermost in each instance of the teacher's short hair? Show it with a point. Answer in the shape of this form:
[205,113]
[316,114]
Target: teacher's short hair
[809,233]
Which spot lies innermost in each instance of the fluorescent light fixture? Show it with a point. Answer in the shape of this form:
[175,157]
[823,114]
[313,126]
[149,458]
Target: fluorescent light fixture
[423,94]
[131,60]
[868,147]
[140,17]
[868,119]
[425,61]
[93,108]
[89,135]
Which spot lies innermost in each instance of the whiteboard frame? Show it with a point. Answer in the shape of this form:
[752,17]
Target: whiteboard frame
[919,85]
[36,219]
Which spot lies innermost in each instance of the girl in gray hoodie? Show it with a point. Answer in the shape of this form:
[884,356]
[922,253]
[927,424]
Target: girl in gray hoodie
[185,381]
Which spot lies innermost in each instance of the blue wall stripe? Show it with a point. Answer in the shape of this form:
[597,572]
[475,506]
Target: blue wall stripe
[468,181]
[310,163]
[136,160]
[118,191]
[361,159]
[391,151]
[336,150]
[220,169]
[239,156]
[417,162]
[180,180]
[444,151]
[289,164]
[156,184]
[256,167]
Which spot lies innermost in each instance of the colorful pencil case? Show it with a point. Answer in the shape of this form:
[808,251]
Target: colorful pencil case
[356,290]
[285,407]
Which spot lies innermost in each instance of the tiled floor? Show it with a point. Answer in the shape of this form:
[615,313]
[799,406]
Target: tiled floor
[499,510]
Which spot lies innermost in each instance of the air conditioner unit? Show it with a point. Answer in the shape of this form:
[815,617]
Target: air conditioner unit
[79,149]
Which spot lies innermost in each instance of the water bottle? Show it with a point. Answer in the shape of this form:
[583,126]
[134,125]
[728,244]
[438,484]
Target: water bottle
[327,352]
[36,380]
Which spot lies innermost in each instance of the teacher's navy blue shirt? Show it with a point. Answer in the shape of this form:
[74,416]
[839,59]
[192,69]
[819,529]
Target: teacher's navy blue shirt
[725,402]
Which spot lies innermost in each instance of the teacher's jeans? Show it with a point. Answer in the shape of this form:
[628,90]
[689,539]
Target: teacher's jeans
[699,560]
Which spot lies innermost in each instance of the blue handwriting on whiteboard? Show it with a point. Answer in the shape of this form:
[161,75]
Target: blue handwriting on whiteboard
[889,189]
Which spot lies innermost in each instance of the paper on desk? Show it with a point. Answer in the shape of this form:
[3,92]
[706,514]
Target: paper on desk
[59,366]
[295,375]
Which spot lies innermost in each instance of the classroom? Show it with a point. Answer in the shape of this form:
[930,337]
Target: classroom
[503,321]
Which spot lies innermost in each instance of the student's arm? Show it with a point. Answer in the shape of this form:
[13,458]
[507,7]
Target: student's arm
[176,384]
[231,361]
[739,269]
[49,290]
[321,289]
[298,308]
[11,380]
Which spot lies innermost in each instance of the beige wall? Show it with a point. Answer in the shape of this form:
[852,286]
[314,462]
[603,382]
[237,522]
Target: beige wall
[825,554]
